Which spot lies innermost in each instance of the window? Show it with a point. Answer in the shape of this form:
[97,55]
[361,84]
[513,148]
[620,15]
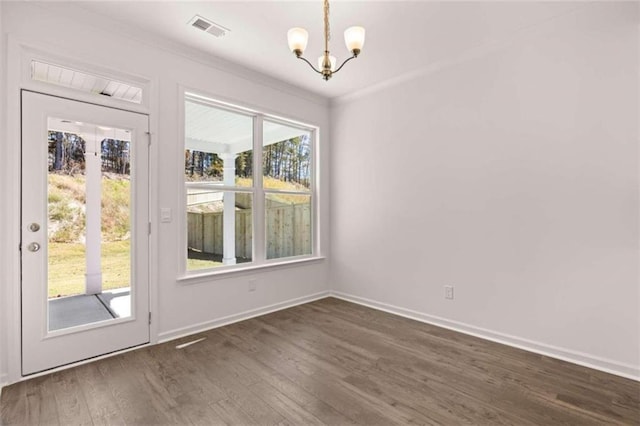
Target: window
[286,168]
[85,82]
[249,185]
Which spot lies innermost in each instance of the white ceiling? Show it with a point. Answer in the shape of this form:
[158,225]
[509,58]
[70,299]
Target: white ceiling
[212,129]
[402,36]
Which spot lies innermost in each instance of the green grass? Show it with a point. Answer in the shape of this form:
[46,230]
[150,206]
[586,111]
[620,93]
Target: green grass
[67,267]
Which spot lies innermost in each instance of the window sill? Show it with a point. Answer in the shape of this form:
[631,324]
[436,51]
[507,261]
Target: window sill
[199,277]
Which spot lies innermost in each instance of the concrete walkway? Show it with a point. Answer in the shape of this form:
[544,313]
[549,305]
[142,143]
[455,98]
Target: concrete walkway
[72,311]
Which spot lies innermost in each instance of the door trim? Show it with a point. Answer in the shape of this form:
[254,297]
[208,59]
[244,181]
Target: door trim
[141,236]
[19,48]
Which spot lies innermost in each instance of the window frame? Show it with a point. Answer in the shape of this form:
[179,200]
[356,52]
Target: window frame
[258,192]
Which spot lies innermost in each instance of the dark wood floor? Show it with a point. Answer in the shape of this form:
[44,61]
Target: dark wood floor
[327,362]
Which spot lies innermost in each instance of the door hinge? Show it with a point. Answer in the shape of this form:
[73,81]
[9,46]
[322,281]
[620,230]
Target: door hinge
[149,317]
[149,228]
[149,140]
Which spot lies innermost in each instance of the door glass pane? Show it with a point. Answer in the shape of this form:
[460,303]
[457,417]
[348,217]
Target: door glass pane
[288,225]
[89,227]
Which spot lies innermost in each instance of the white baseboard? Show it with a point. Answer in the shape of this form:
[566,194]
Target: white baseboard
[575,357]
[4,381]
[208,325]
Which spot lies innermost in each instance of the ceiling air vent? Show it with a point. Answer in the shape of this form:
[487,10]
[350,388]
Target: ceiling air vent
[208,26]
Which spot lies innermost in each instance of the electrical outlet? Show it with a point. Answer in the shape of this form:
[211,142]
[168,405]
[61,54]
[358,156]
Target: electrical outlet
[252,284]
[448,292]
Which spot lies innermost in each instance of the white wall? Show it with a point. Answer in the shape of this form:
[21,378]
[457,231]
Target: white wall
[511,174]
[181,308]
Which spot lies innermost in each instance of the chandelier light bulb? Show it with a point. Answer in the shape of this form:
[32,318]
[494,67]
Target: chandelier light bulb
[298,38]
[354,39]
[332,60]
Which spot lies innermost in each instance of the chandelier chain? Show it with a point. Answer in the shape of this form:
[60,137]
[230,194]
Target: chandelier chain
[327,28]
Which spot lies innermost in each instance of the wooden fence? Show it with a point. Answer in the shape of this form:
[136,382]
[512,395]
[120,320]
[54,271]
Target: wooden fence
[288,231]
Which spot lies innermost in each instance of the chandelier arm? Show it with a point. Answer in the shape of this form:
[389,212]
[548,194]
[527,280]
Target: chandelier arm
[342,65]
[311,65]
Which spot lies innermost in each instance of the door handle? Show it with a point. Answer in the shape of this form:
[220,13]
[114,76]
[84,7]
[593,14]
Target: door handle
[34,227]
[33,247]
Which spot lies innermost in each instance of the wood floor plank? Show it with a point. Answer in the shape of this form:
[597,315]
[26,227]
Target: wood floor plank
[70,400]
[103,408]
[353,362]
[327,362]
[309,374]
[42,408]
[385,347]
[195,406]
[134,401]
[232,413]
[232,378]
[289,409]
[280,383]
[13,405]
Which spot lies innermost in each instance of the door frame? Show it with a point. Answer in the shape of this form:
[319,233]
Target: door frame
[85,341]
[20,52]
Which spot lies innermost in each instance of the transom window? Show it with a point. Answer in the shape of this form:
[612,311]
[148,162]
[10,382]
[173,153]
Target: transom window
[249,187]
[85,82]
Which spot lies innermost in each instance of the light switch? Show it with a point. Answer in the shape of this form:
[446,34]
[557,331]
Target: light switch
[165,215]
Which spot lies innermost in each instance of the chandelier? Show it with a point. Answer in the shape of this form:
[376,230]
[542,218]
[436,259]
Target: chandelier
[353,38]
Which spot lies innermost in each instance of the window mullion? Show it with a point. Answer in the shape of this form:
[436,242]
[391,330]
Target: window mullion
[259,244]
[315,205]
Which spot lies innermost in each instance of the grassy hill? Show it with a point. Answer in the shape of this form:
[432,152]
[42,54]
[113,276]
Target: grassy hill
[66,233]
[66,207]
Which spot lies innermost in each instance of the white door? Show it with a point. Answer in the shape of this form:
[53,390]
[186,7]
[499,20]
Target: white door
[85,216]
